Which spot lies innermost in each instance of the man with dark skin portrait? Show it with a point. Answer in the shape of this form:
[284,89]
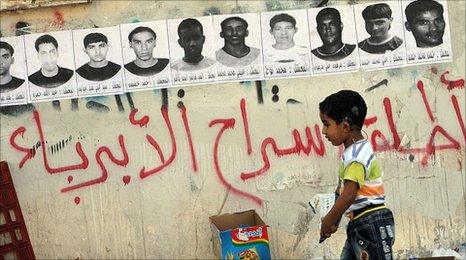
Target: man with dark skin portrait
[7,81]
[98,68]
[50,75]
[192,39]
[378,21]
[330,28]
[142,41]
[424,19]
[235,52]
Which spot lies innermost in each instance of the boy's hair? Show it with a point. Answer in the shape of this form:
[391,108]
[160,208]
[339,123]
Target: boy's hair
[345,105]
[234,18]
[46,38]
[377,11]
[141,29]
[7,46]
[421,6]
[189,23]
[94,38]
[282,18]
[329,11]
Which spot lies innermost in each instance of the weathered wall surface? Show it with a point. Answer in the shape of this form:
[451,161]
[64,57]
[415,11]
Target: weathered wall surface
[112,183]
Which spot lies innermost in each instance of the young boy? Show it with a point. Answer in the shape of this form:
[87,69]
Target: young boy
[360,192]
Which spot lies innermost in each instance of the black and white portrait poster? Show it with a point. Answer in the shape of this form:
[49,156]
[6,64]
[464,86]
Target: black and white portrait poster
[50,65]
[333,40]
[192,54]
[13,73]
[380,35]
[146,55]
[427,31]
[98,61]
[238,47]
[285,40]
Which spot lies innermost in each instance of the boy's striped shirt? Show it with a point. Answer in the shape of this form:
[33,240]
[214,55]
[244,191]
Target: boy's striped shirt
[358,164]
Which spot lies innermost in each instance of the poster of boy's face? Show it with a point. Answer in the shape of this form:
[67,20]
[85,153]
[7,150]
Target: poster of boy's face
[50,64]
[286,49]
[98,61]
[427,31]
[13,73]
[380,35]
[146,55]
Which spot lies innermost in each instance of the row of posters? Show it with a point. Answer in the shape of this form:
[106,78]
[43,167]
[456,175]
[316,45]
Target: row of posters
[252,46]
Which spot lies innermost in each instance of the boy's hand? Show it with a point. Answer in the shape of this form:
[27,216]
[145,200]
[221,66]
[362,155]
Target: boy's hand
[327,229]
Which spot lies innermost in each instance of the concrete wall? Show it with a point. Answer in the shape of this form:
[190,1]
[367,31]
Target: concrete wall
[101,150]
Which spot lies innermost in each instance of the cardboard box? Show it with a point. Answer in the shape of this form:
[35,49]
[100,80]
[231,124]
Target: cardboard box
[241,235]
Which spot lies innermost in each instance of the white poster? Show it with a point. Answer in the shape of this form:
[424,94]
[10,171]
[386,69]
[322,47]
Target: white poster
[98,61]
[333,40]
[380,35]
[238,47]
[192,56]
[285,38]
[50,64]
[427,31]
[13,73]
[146,55]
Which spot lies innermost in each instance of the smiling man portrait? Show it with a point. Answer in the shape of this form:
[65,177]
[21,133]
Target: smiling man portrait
[235,52]
[424,19]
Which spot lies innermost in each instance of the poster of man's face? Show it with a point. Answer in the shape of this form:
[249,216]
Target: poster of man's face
[50,64]
[380,34]
[98,61]
[285,38]
[13,73]
[146,55]
[427,31]
[192,56]
[238,47]
[333,39]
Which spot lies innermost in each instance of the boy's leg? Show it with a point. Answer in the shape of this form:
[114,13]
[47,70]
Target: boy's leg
[373,235]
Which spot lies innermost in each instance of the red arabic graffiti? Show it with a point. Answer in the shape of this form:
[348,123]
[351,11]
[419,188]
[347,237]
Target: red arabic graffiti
[451,84]
[308,142]
[29,154]
[296,149]
[98,158]
[187,129]
[228,124]
[142,122]
[143,173]
[430,148]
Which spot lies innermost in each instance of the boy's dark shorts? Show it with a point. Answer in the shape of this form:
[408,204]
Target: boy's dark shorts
[371,236]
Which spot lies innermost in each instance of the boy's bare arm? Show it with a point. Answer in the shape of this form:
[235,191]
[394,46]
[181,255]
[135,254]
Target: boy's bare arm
[337,190]
[343,202]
